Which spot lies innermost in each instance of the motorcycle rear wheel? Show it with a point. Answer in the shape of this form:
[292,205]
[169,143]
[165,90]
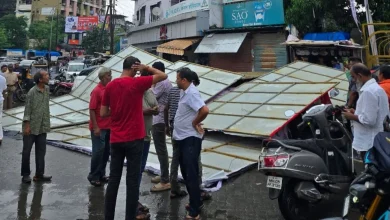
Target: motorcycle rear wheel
[291,207]
[20,95]
[61,92]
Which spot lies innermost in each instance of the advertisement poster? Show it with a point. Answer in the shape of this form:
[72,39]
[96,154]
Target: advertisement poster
[186,6]
[254,13]
[75,24]
[87,23]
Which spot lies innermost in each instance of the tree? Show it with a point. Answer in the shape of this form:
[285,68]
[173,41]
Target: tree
[95,41]
[3,38]
[331,15]
[15,29]
[39,31]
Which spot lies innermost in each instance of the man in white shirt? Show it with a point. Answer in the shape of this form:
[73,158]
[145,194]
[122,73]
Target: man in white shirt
[188,134]
[3,87]
[371,109]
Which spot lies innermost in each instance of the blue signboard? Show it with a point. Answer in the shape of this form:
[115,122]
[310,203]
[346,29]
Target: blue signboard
[253,13]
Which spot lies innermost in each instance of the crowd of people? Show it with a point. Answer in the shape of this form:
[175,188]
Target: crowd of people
[125,113]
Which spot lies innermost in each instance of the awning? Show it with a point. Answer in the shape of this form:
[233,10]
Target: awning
[176,47]
[221,43]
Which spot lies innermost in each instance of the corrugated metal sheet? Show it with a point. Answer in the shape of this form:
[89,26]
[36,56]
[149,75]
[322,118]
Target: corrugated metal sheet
[221,43]
[176,47]
[268,52]
[260,108]
[307,72]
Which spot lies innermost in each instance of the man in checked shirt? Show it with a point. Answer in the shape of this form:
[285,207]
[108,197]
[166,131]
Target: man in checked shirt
[169,115]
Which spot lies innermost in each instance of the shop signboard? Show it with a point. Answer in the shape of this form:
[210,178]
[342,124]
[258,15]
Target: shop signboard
[185,7]
[253,13]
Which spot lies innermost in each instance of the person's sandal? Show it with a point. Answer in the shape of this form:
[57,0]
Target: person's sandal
[96,183]
[142,216]
[179,194]
[188,217]
[160,187]
[142,208]
[105,179]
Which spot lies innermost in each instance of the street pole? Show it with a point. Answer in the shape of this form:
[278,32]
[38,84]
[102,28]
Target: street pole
[102,33]
[51,34]
[111,28]
[57,29]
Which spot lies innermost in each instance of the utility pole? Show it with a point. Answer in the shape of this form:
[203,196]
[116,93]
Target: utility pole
[111,27]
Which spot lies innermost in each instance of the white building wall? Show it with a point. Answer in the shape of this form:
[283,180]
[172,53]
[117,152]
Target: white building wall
[141,3]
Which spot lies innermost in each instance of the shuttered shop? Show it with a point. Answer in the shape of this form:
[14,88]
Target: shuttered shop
[237,62]
[268,51]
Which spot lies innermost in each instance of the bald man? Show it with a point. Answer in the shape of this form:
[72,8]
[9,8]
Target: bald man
[371,109]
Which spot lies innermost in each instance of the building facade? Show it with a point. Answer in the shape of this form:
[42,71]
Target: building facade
[41,9]
[235,35]
[23,9]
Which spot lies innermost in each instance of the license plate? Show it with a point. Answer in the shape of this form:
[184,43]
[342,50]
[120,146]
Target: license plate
[274,182]
[346,206]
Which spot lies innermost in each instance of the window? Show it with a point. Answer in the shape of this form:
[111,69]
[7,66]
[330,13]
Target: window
[174,2]
[142,16]
[153,17]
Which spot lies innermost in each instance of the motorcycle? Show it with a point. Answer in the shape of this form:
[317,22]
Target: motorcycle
[62,88]
[302,173]
[22,88]
[370,191]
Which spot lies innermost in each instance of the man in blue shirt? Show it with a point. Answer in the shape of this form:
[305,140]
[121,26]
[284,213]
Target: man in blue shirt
[188,133]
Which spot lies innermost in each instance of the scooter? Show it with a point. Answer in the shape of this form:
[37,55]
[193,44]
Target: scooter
[302,173]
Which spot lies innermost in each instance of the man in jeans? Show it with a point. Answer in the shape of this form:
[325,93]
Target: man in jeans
[161,91]
[169,115]
[188,133]
[36,125]
[100,131]
[122,100]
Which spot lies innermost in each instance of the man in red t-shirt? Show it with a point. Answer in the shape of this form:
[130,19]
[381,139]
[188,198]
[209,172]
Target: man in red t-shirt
[122,101]
[100,131]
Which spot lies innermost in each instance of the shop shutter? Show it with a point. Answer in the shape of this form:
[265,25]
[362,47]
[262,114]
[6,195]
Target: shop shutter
[268,51]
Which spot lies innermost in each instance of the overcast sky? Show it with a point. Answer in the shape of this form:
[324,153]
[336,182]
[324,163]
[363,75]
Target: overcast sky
[126,8]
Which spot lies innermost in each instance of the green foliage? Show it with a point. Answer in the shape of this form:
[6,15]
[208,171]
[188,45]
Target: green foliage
[3,38]
[43,31]
[15,30]
[331,15]
[95,41]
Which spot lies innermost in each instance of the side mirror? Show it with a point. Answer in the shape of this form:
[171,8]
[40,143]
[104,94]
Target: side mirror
[74,74]
[333,92]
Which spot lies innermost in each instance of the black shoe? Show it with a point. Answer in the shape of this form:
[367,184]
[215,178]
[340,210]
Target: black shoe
[26,179]
[42,178]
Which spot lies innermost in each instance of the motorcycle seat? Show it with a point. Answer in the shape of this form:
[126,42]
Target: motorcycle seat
[308,144]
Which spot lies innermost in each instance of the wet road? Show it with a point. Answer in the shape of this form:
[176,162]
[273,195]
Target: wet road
[70,197]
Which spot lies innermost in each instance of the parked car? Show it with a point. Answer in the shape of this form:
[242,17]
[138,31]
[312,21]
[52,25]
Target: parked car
[82,76]
[73,69]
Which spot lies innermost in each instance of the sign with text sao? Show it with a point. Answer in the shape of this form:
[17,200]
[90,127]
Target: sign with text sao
[253,13]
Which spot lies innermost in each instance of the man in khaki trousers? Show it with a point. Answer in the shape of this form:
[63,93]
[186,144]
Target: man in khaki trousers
[11,79]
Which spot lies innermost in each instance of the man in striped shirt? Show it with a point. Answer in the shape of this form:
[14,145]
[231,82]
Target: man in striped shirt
[161,91]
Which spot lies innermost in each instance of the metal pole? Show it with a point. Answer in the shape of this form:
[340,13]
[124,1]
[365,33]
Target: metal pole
[57,29]
[51,34]
[111,29]
[102,33]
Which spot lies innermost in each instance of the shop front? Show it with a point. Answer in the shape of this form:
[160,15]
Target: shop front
[173,38]
[250,39]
